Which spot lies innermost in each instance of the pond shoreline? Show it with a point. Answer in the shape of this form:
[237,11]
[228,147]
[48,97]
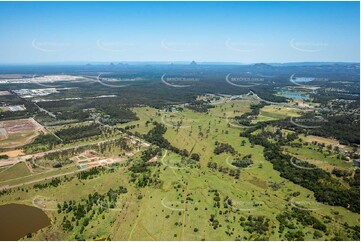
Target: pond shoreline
[18,220]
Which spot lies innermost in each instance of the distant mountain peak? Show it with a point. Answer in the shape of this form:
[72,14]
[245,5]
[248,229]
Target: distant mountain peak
[262,65]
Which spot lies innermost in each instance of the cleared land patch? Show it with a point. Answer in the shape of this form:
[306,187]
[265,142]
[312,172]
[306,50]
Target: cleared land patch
[15,133]
[274,112]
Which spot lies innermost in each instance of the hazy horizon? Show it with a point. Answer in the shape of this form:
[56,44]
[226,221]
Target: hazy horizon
[70,63]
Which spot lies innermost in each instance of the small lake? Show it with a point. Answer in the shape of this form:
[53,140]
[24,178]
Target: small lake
[17,220]
[294,95]
[303,79]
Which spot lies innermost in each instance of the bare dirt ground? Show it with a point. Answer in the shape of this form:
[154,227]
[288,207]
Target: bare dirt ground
[15,133]
[12,153]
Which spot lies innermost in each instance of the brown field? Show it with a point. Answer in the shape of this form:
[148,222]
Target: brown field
[15,133]
[12,153]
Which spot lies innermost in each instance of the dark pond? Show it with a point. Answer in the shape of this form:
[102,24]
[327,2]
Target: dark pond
[17,220]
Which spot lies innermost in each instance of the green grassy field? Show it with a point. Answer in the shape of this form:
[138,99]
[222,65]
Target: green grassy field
[322,160]
[165,212]
[182,205]
[14,171]
[144,114]
[33,177]
[273,112]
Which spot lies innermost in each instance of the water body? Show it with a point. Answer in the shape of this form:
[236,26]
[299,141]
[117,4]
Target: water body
[17,220]
[294,95]
[303,79]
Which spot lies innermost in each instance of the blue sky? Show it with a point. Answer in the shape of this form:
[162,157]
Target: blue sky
[245,32]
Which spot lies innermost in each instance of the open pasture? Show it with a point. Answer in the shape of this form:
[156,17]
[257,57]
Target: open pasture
[274,112]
